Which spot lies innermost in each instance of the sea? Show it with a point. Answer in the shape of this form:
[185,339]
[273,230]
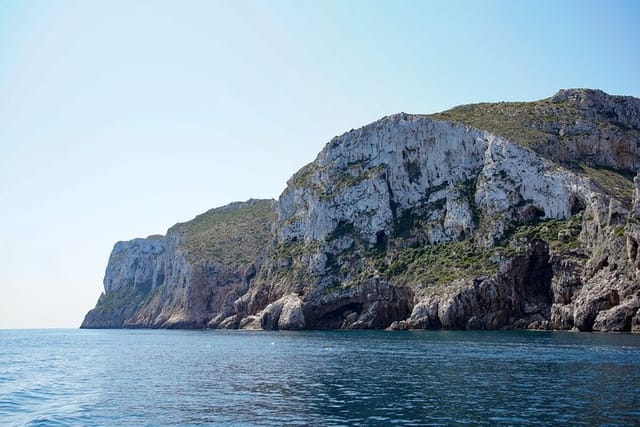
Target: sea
[318,378]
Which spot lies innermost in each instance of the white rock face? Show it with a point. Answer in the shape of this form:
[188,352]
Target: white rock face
[291,316]
[369,177]
[145,266]
[138,263]
[284,313]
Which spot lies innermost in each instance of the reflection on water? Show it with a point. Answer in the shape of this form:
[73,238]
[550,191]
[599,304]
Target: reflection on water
[138,377]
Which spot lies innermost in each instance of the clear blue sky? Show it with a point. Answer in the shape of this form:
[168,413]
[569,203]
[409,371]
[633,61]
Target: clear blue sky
[120,118]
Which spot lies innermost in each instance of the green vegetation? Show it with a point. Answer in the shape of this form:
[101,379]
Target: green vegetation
[350,177]
[468,190]
[342,229]
[302,178]
[441,263]
[233,234]
[424,265]
[614,183]
[561,235]
[292,260]
[521,122]
[406,222]
[128,297]
[444,262]
[341,178]
[293,249]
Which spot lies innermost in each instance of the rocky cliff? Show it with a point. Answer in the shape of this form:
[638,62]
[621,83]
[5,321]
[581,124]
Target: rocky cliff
[189,278]
[506,215]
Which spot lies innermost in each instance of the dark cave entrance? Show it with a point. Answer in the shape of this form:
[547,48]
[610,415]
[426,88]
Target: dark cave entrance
[334,318]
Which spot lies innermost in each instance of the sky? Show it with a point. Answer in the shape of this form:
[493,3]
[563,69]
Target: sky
[120,118]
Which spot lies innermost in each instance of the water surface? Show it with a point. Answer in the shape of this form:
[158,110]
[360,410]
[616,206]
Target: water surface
[162,377]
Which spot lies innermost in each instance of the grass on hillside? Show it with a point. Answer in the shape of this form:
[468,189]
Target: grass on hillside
[445,262]
[232,234]
[521,122]
[611,182]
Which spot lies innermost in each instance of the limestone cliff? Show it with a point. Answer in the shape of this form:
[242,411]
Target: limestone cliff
[189,278]
[499,215]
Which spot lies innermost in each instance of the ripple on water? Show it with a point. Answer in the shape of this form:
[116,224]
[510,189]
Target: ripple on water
[318,378]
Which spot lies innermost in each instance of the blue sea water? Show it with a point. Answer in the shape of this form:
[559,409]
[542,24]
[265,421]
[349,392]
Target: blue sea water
[168,377]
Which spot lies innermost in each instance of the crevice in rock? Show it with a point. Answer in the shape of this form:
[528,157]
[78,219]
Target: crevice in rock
[602,264]
[413,171]
[540,270]
[633,250]
[393,205]
[576,205]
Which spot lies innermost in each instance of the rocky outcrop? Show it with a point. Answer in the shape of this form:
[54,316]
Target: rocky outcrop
[519,295]
[285,313]
[510,215]
[603,132]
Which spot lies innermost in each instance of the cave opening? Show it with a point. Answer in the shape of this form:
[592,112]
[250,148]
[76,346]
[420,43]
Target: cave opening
[576,205]
[333,319]
[531,214]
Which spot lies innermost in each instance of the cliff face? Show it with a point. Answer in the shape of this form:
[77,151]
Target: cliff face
[189,278]
[486,216]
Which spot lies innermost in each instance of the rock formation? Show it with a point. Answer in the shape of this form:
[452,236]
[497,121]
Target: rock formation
[486,216]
